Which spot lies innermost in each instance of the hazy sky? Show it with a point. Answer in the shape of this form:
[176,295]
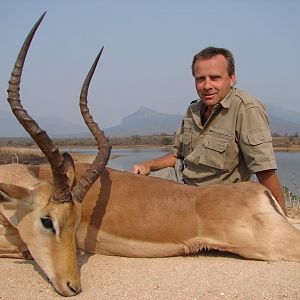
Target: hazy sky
[149,47]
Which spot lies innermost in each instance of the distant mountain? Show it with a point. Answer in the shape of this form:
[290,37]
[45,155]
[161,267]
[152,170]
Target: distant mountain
[144,121]
[283,121]
[282,127]
[55,127]
[280,112]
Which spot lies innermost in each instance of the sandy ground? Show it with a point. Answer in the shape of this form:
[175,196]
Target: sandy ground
[209,276]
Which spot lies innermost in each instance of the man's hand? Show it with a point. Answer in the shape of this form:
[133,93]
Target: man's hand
[145,167]
[141,169]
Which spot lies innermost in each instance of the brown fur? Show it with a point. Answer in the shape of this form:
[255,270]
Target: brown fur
[136,216]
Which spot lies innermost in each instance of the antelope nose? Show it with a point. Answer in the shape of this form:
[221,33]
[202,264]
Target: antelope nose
[74,288]
[68,289]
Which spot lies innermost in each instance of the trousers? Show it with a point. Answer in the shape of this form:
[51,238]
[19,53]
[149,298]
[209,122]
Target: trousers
[170,173]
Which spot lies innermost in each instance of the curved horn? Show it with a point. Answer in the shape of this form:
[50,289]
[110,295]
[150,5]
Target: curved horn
[60,180]
[104,146]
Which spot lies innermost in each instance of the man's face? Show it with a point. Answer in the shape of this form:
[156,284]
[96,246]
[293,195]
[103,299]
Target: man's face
[212,80]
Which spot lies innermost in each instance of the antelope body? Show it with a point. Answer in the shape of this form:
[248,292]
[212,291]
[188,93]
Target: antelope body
[141,216]
[46,213]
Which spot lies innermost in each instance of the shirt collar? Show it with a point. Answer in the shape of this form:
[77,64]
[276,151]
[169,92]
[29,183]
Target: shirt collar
[227,100]
[198,106]
[195,110]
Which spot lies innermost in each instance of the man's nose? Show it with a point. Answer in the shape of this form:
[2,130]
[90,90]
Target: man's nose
[207,84]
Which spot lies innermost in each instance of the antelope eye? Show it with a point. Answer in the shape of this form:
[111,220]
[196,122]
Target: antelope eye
[47,223]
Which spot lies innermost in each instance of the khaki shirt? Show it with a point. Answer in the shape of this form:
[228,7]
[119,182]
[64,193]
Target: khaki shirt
[234,142]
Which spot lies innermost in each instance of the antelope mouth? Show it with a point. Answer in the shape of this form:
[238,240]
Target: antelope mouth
[67,289]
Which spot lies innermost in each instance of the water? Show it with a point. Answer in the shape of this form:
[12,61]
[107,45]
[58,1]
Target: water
[289,170]
[288,163]
[129,157]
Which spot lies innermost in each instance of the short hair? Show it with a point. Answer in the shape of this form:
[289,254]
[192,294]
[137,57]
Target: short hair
[210,52]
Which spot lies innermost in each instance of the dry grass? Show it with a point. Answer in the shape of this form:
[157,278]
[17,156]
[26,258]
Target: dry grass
[29,155]
[289,144]
[10,154]
[292,201]
[20,150]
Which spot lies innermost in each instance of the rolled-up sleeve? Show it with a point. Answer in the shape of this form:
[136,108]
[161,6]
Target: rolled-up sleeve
[255,139]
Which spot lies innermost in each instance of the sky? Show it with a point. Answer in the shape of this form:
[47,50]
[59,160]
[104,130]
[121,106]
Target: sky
[148,50]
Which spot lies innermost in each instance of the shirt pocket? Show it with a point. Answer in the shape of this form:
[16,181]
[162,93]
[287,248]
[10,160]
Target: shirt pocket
[259,152]
[259,137]
[186,144]
[213,153]
[188,125]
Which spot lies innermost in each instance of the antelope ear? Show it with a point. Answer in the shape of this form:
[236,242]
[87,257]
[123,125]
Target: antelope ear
[11,193]
[11,197]
[8,206]
[4,197]
[70,166]
[34,169]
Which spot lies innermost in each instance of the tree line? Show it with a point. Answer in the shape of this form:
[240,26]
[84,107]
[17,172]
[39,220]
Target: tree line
[162,139]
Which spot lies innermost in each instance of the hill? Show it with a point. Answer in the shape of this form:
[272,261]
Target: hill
[10,127]
[144,121]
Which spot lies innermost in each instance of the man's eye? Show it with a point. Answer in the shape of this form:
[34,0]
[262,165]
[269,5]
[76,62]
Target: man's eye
[200,79]
[47,223]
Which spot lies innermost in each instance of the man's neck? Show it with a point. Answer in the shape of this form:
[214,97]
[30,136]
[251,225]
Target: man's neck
[206,114]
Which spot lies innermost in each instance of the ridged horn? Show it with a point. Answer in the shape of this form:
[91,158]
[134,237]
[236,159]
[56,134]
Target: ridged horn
[61,189]
[104,147]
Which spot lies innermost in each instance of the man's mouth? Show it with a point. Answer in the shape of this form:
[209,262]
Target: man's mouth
[208,95]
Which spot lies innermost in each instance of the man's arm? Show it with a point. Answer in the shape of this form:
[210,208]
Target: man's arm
[144,168]
[270,180]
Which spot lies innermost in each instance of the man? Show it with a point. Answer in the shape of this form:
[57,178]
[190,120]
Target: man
[225,136]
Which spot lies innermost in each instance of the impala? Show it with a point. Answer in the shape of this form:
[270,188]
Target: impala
[45,213]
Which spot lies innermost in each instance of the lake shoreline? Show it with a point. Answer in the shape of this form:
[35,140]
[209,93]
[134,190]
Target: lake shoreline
[10,154]
[164,147]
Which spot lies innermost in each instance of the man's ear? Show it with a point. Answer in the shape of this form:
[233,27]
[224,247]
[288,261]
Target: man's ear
[232,80]
[70,166]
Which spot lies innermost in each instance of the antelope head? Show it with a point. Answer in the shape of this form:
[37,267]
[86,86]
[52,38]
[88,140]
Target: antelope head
[46,215]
